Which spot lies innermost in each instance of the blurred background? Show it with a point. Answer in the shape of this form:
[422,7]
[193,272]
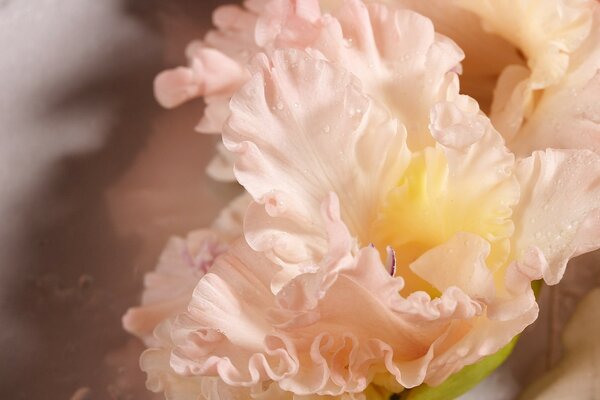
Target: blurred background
[94,177]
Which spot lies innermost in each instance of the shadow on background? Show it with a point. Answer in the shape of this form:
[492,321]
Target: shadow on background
[76,279]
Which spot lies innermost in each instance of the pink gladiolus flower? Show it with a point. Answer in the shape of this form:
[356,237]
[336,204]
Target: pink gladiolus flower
[349,132]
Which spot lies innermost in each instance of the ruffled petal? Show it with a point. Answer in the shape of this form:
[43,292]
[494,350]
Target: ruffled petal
[167,290]
[566,186]
[216,65]
[567,115]
[155,362]
[300,129]
[486,54]
[331,331]
[399,59]
[161,377]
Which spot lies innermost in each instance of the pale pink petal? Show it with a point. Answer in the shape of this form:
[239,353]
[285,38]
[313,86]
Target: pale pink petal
[559,211]
[161,377]
[481,186]
[229,222]
[328,332]
[234,35]
[220,168]
[288,23]
[210,73]
[300,129]
[399,59]
[168,289]
[256,6]
[215,114]
[216,65]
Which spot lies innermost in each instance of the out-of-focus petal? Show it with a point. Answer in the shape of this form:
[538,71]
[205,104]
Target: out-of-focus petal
[210,73]
[574,376]
[567,115]
[546,31]
[220,168]
[288,23]
[168,289]
[486,54]
[512,100]
[230,221]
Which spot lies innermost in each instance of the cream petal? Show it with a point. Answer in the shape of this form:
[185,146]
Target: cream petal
[567,116]
[546,31]
[300,129]
[571,378]
[459,262]
[564,184]
[487,54]
[167,290]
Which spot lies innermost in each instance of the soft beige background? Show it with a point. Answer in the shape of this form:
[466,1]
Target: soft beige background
[94,176]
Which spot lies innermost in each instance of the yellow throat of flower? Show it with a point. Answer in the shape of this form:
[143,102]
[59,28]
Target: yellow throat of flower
[424,211]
